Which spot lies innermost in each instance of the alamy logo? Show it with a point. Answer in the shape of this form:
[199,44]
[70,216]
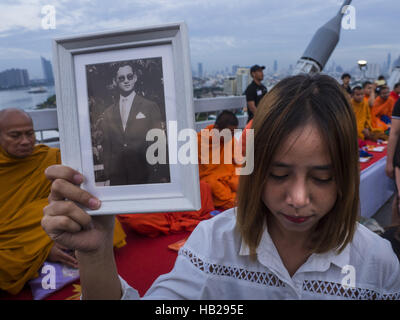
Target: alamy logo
[188,152]
[49,19]
[349,280]
[349,18]
[49,280]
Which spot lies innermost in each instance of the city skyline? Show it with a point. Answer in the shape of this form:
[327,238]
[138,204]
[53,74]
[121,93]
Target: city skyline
[235,32]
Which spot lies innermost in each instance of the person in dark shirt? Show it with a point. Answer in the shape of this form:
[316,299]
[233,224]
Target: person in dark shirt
[255,91]
[346,82]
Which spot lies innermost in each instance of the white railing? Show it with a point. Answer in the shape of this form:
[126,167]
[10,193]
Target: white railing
[46,125]
[220,104]
[46,120]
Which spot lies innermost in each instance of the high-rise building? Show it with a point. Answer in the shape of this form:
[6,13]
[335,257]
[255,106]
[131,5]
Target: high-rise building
[275,66]
[200,70]
[389,62]
[14,78]
[373,71]
[243,79]
[47,71]
[234,69]
[230,86]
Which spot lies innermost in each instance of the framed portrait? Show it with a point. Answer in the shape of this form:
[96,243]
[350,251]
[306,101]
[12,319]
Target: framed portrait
[122,98]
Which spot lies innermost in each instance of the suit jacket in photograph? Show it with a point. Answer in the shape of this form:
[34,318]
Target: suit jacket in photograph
[124,152]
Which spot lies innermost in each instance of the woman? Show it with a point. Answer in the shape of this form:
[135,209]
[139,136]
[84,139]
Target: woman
[294,234]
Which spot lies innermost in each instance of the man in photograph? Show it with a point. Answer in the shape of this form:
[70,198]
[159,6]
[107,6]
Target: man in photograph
[124,127]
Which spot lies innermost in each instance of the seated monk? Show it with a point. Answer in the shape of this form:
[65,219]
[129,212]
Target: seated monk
[24,189]
[381,111]
[363,117]
[369,92]
[216,168]
[156,224]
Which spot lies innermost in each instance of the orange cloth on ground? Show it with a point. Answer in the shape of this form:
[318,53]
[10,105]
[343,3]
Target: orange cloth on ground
[381,107]
[155,224]
[24,189]
[221,176]
[363,116]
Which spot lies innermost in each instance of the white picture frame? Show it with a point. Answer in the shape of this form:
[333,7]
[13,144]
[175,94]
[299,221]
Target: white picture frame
[74,58]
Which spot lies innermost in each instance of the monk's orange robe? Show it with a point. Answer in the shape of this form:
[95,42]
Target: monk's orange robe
[362,112]
[381,107]
[156,224]
[220,176]
[24,189]
[366,98]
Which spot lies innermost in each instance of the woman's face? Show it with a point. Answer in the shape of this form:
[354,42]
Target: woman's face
[300,187]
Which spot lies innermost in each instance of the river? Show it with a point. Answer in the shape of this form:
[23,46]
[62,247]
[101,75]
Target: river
[20,98]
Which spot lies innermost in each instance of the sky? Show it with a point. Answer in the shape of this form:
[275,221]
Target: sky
[222,33]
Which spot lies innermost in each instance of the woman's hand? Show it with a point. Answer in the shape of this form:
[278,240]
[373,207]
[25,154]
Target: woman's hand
[65,219]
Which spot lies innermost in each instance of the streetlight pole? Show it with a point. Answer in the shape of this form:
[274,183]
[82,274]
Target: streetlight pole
[362,64]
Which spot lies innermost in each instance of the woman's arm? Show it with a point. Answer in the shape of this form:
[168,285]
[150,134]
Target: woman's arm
[90,236]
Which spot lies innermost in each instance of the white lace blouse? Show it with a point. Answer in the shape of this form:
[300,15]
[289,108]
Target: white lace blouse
[215,264]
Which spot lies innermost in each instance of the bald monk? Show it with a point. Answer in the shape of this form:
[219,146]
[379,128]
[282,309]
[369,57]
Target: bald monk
[24,189]
[382,108]
[363,116]
[220,176]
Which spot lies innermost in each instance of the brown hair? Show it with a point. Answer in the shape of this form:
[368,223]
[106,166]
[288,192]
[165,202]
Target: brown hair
[292,103]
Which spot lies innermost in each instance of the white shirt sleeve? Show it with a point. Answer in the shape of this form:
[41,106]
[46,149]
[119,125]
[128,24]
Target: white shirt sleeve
[389,273]
[128,293]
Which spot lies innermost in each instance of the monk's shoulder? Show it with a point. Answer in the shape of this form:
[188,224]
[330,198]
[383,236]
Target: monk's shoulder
[52,154]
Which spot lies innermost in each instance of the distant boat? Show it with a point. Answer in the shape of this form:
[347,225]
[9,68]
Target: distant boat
[37,90]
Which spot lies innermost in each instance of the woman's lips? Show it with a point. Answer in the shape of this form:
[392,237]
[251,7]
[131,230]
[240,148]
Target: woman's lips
[296,219]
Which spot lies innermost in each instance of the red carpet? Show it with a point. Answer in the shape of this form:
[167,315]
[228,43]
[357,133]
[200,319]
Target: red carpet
[376,155]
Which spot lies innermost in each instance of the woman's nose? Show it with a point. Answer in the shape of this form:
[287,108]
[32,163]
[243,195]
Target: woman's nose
[298,194]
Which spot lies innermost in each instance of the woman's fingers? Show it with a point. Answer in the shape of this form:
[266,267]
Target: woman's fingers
[62,189]
[63,172]
[65,185]
[64,216]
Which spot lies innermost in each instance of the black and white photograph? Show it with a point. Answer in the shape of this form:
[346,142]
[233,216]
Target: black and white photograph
[126,100]
[119,93]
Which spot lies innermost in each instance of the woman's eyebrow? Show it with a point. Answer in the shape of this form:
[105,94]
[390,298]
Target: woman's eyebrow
[324,167]
[281,164]
[285,165]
